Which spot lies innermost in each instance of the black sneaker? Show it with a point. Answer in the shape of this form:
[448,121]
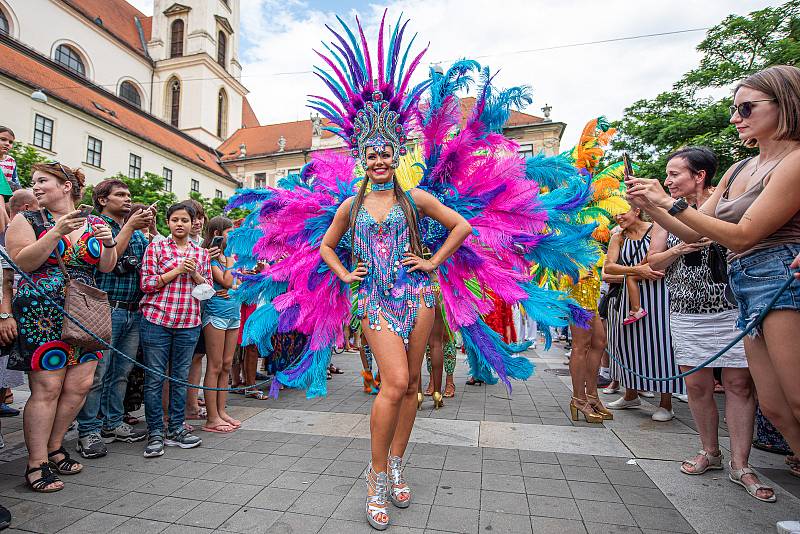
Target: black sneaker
[602,381]
[124,432]
[183,439]
[5,518]
[91,446]
[155,446]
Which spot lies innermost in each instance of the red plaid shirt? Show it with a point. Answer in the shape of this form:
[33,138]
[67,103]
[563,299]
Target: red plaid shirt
[172,306]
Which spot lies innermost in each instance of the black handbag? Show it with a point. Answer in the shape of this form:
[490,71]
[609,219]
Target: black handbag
[718,265]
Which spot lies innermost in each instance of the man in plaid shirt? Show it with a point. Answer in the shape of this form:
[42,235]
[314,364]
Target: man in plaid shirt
[112,200]
[171,270]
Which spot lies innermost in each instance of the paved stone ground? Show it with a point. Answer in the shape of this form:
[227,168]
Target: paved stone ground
[486,462]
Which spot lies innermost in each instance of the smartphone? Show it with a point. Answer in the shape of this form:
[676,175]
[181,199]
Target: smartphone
[216,241]
[86,210]
[626,162]
[152,207]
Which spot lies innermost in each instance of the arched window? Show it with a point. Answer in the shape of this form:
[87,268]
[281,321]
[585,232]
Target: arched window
[174,102]
[69,58]
[176,39]
[222,114]
[4,27]
[222,48]
[129,92]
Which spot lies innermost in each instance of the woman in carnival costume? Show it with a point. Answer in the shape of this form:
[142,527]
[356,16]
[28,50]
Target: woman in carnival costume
[476,207]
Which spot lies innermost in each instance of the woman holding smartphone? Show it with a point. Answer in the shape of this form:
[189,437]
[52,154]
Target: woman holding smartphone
[60,375]
[221,320]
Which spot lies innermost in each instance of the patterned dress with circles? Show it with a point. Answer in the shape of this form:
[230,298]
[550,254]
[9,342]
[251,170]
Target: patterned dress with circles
[39,322]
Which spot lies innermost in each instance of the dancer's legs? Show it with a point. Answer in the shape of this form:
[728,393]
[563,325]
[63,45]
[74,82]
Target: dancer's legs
[597,348]
[435,341]
[581,340]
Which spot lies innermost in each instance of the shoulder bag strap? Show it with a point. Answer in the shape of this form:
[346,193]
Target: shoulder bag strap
[48,226]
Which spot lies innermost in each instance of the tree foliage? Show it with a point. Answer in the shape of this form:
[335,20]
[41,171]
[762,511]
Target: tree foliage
[737,47]
[27,156]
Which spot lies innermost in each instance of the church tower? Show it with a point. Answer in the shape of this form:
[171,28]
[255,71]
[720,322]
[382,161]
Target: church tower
[197,76]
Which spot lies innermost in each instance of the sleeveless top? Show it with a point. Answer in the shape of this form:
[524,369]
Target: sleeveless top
[732,210]
[388,289]
[692,288]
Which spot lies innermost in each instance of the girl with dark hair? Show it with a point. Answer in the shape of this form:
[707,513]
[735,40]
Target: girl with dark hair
[60,375]
[221,318]
[755,214]
[172,272]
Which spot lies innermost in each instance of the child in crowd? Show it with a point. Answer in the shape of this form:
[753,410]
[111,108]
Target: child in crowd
[635,310]
[176,275]
[221,319]
[7,163]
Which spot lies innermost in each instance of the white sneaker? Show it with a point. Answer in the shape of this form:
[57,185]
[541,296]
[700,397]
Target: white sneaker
[788,527]
[647,394]
[663,415]
[682,398]
[622,404]
[610,390]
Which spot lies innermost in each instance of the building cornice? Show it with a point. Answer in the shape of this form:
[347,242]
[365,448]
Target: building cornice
[202,59]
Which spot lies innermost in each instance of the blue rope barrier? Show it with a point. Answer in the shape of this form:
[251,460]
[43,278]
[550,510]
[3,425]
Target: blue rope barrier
[100,340]
[758,320]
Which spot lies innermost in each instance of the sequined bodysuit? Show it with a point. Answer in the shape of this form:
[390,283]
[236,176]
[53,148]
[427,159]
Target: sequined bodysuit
[388,289]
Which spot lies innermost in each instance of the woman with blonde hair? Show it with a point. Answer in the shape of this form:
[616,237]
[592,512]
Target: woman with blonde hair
[755,213]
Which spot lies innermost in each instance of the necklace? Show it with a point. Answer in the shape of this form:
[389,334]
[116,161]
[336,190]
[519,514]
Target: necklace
[778,157]
[383,187]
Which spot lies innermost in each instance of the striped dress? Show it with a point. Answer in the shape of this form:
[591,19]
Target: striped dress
[644,346]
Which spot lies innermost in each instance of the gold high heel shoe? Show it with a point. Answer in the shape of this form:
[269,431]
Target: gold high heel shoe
[586,409]
[598,407]
[437,400]
[420,398]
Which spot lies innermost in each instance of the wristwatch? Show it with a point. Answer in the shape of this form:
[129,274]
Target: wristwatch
[678,206]
[6,316]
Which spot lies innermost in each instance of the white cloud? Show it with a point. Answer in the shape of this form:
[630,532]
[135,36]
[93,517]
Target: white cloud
[578,82]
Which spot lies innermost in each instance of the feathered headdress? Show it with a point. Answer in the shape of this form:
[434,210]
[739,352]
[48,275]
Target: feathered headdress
[373,106]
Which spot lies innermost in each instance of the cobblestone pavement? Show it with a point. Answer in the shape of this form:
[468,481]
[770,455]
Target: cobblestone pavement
[486,462]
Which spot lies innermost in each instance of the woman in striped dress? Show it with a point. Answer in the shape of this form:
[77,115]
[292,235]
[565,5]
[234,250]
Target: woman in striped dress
[644,346]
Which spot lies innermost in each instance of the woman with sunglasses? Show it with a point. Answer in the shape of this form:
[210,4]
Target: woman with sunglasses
[755,213]
[702,321]
[60,374]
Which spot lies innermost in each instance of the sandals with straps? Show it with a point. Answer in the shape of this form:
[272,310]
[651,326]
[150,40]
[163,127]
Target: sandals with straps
[400,492]
[712,462]
[376,505]
[65,466]
[794,465]
[48,477]
[736,477]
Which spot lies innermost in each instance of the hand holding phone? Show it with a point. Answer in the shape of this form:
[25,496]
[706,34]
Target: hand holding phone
[153,207]
[628,168]
[216,241]
[85,210]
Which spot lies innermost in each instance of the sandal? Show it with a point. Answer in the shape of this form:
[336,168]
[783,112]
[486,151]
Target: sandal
[255,394]
[712,462]
[65,466]
[48,477]
[400,492]
[201,413]
[429,390]
[377,512]
[222,428]
[632,317]
[473,382]
[449,390]
[794,465]
[736,477]
[335,370]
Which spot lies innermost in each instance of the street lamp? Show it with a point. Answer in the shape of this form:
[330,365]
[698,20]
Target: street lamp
[39,96]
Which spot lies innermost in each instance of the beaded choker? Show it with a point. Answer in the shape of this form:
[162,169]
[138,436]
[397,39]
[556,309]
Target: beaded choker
[383,187]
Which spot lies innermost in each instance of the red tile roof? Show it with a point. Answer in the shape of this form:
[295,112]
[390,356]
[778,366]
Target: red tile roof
[31,68]
[517,118]
[249,119]
[263,140]
[118,19]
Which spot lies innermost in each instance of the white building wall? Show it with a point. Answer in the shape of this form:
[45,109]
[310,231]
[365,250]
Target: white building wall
[71,130]
[44,24]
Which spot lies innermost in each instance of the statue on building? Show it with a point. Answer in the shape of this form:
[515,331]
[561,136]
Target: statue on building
[316,125]
[281,144]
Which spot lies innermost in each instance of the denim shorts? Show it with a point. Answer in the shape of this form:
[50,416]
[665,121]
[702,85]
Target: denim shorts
[756,278]
[221,323]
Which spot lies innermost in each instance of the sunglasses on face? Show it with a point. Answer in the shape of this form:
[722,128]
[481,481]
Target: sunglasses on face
[745,109]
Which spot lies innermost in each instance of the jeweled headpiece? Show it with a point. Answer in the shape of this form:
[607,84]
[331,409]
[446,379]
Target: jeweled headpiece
[372,110]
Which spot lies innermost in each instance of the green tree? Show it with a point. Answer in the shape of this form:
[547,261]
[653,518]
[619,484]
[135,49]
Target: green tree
[27,156]
[737,47]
